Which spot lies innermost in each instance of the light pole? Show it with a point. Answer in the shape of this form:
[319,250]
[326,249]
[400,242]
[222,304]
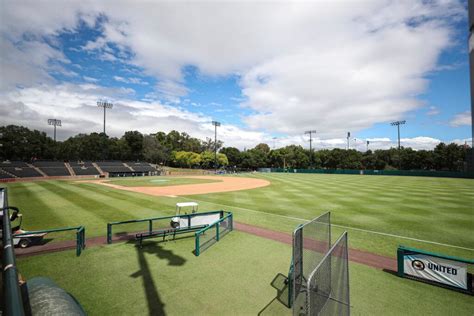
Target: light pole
[348,138]
[215,123]
[106,105]
[471,72]
[397,124]
[55,123]
[311,132]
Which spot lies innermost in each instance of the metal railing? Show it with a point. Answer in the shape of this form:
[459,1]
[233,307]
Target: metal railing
[214,237]
[80,235]
[12,303]
[153,220]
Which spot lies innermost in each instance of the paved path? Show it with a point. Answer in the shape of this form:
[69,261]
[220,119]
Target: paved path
[359,256]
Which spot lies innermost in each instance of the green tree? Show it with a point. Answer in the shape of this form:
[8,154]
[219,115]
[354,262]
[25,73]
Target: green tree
[232,154]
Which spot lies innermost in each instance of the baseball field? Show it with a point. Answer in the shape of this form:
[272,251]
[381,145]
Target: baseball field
[244,272]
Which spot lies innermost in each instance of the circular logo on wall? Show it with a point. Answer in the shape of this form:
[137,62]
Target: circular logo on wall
[418,265]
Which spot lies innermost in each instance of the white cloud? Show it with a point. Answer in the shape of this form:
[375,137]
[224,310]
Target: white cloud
[461,119]
[132,80]
[90,79]
[432,111]
[330,65]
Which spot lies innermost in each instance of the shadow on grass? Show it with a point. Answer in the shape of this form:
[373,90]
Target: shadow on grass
[155,304]
[279,283]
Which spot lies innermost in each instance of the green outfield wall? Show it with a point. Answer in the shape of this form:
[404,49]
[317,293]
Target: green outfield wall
[413,173]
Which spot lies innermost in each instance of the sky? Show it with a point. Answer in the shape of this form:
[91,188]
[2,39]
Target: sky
[268,71]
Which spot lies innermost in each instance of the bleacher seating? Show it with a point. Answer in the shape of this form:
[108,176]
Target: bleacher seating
[19,164]
[113,166]
[84,168]
[20,169]
[56,171]
[52,168]
[4,175]
[23,172]
[141,167]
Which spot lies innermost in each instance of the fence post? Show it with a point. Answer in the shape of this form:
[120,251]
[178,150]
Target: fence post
[83,237]
[231,221]
[217,230]
[150,226]
[78,243]
[109,233]
[400,255]
[196,247]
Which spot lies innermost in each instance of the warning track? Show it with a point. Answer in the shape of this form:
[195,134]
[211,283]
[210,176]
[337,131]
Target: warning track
[224,184]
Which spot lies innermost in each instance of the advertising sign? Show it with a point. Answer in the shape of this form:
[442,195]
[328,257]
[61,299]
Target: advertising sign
[441,270]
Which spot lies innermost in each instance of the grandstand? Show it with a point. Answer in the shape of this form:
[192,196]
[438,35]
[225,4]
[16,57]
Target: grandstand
[40,169]
[18,169]
[52,168]
[123,169]
[84,168]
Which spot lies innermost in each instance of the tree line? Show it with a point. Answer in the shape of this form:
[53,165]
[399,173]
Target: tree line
[181,150]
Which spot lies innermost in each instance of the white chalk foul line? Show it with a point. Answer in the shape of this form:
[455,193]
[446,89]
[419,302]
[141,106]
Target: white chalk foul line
[341,226]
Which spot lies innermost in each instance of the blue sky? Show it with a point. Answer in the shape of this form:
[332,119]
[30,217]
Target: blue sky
[262,69]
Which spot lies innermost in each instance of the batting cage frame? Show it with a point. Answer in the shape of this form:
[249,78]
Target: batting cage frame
[319,273]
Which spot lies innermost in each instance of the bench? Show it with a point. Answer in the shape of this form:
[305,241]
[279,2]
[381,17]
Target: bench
[167,232]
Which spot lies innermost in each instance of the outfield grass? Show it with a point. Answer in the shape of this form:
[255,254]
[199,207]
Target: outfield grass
[439,210]
[157,181]
[231,278]
[238,276]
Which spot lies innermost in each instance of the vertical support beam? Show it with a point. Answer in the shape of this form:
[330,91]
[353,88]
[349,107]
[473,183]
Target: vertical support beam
[83,237]
[217,231]
[471,71]
[150,226]
[109,233]
[196,246]
[400,268]
[78,243]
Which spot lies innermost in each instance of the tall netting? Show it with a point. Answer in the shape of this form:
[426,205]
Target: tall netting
[328,285]
[311,242]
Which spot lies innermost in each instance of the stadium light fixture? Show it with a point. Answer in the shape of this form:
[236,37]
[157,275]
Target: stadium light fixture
[106,105]
[55,123]
[397,124]
[216,124]
[311,132]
